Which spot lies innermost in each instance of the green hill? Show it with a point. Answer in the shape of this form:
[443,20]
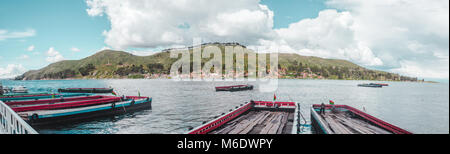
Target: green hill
[119,64]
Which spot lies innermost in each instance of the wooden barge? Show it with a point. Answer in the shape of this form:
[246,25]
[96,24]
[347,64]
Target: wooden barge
[235,88]
[343,119]
[58,111]
[256,117]
[371,85]
[86,90]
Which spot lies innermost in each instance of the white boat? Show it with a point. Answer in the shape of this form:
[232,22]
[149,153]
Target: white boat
[20,89]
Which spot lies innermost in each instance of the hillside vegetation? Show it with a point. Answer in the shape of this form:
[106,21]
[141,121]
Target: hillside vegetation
[119,64]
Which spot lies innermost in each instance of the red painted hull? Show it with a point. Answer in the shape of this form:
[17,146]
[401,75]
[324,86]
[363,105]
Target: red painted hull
[382,84]
[63,105]
[55,100]
[25,96]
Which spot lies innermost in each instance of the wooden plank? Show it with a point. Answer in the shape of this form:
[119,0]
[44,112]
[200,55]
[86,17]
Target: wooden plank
[253,124]
[356,128]
[375,129]
[267,113]
[269,124]
[283,123]
[244,124]
[226,128]
[336,126]
[275,124]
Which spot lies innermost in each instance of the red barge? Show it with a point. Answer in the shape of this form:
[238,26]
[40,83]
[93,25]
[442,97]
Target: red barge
[343,119]
[63,110]
[235,88]
[36,96]
[86,90]
[256,117]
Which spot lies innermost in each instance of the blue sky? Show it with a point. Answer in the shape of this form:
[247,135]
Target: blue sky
[59,24]
[35,33]
[290,11]
[65,25]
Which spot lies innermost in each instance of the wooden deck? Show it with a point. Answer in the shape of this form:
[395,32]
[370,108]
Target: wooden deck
[342,123]
[259,122]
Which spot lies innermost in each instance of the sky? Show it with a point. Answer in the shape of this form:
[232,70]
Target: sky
[406,37]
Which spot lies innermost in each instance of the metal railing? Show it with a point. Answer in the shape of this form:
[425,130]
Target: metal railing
[11,123]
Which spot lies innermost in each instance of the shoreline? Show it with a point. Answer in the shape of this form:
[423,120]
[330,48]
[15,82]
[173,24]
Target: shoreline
[223,79]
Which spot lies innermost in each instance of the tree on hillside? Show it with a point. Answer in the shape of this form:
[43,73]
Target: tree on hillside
[86,70]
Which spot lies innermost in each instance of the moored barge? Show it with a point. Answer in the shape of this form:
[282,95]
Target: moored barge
[256,117]
[235,88]
[343,119]
[370,85]
[43,114]
[86,90]
[61,103]
[9,98]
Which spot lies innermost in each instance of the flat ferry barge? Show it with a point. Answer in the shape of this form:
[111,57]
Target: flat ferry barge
[57,111]
[370,85]
[235,88]
[256,117]
[86,90]
[10,98]
[343,119]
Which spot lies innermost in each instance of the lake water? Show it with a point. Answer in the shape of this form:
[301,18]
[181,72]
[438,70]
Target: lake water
[416,107]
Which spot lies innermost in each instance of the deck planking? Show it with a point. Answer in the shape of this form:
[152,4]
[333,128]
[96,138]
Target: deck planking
[343,123]
[258,122]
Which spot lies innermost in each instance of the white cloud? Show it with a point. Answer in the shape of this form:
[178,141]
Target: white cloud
[75,49]
[408,37]
[142,53]
[30,48]
[330,35]
[53,55]
[160,23]
[5,34]
[23,57]
[11,71]
[432,70]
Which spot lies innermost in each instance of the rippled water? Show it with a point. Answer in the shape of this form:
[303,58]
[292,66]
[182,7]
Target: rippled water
[417,107]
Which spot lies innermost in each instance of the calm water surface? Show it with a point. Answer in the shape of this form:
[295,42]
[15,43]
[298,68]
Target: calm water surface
[417,107]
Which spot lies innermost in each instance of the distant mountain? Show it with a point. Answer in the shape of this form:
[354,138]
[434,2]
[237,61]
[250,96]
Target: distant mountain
[119,64]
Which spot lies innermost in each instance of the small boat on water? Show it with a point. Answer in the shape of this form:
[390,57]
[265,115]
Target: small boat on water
[382,84]
[235,88]
[51,112]
[370,85]
[256,117]
[86,90]
[343,119]
[20,89]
